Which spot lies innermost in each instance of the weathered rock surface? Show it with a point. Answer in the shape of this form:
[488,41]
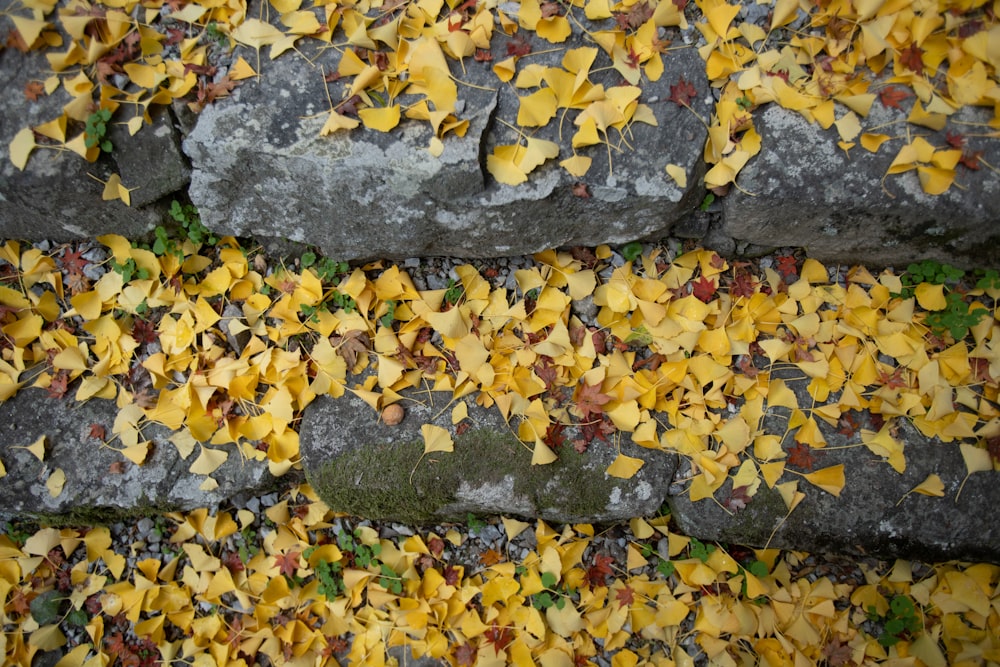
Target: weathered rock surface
[803,190]
[360,465]
[94,491]
[260,169]
[875,513]
[55,197]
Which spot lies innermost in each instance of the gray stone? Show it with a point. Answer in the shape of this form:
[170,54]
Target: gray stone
[362,466]
[260,170]
[803,190]
[55,196]
[93,492]
[875,514]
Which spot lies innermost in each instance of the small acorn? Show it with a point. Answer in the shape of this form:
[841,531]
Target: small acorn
[392,414]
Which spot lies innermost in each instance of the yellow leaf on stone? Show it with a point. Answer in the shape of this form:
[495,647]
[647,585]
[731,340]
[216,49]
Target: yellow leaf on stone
[382,119]
[932,486]
[208,461]
[21,146]
[37,448]
[542,454]
[513,527]
[624,467]
[136,453]
[578,165]
[56,482]
[241,69]
[829,479]
[436,439]
[677,173]
[336,121]
[872,142]
[255,33]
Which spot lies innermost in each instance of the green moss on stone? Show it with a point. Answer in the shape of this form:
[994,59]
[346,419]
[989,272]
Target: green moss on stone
[378,480]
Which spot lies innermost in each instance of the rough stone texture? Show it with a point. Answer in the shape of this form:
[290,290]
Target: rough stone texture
[55,196]
[92,491]
[803,190]
[360,465]
[260,169]
[871,516]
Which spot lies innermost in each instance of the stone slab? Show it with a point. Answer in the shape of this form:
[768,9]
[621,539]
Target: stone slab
[875,514]
[802,190]
[360,465]
[58,194]
[261,168]
[101,484]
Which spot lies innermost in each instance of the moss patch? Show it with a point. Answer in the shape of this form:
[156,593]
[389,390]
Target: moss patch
[378,480]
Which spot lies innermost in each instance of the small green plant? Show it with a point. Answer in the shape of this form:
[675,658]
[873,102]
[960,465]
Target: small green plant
[632,251]
[744,102]
[96,131]
[988,280]
[475,523]
[700,550]
[390,315]
[129,270]
[955,319]
[551,596]
[389,580]
[665,568]
[364,555]
[331,581]
[707,201]
[927,271]
[899,622]
[454,292]
[758,569]
[213,33]
[187,215]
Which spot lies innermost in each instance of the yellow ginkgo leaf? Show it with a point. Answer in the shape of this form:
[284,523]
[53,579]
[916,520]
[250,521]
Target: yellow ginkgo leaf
[21,146]
[829,479]
[677,173]
[930,296]
[624,467]
[382,119]
[37,448]
[56,482]
[932,486]
[436,439]
[208,461]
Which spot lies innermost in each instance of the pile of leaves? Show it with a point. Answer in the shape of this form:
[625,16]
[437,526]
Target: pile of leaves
[405,59]
[302,586]
[686,354]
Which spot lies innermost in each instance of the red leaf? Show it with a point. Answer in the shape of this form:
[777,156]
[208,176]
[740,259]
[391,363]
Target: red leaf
[436,545]
[625,596]
[703,289]
[97,431]
[894,381]
[518,46]
[912,58]
[743,285]
[954,139]
[801,456]
[682,92]
[490,557]
[590,401]
[465,654]
[483,56]
[287,563]
[891,96]
[970,159]
[787,267]
[597,572]
[451,575]
[499,637]
[33,90]
[73,261]
[737,499]
[581,190]
[58,386]
[554,437]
